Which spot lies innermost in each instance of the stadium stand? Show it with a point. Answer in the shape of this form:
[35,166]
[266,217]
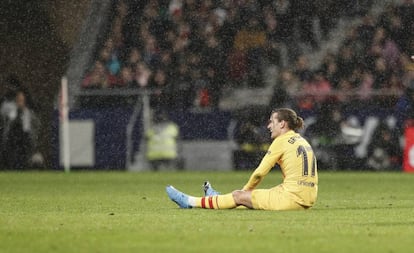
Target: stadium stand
[207,56]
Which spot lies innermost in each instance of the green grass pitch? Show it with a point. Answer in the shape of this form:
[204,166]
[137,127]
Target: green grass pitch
[130,212]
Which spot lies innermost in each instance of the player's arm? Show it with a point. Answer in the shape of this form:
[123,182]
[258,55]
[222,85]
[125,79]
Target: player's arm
[258,175]
[267,163]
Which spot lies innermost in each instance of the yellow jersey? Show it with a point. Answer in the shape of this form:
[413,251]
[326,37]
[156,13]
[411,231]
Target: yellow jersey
[298,164]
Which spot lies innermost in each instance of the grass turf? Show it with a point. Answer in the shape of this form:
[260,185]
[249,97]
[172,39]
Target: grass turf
[130,212]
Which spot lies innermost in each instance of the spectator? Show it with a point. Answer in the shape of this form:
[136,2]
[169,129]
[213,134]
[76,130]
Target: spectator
[325,134]
[273,37]
[159,25]
[304,10]
[345,91]
[134,57]
[384,151]
[133,14]
[162,147]
[167,62]
[384,47]
[290,82]
[326,11]
[117,36]
[392,90]
[126,79]
[110,56]
[251,41]
[142,74]
[229,28]
[404,108]
[161,89]
[314,91]
[251,137]
[20,134]
[391,22]
[8,102]
[365,86]
[286,20]
[213,65]
[366,30]
[381,73]
[345,61]
[334,137]
[330,69]
[99,77]
[150,53]
[7,107]
[405,13]
[200,85]
[183,92]
[302,69]
[285,90]
[182,40]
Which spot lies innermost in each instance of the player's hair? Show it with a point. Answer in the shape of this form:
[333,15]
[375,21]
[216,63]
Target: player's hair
[294,121]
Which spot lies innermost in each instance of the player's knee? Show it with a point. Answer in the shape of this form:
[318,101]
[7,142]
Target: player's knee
[241,197]
[238,196]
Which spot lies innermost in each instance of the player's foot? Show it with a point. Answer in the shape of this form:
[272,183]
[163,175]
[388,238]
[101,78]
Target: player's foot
[178,197]
[208,189]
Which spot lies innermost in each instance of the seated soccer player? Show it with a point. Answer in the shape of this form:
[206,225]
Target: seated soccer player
[296,160]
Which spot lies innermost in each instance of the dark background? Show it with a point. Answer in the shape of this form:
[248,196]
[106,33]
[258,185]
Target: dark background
[36,39]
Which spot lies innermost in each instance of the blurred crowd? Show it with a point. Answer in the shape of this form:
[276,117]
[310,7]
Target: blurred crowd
[186,52]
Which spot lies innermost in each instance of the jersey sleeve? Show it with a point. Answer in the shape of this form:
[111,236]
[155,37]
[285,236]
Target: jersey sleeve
[268,162]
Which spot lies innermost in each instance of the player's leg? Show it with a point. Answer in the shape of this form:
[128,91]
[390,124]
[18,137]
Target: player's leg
[243,198]
[208,190]
[183,200]
[275,198]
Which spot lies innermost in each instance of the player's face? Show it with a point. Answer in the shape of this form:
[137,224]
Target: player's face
[275,126]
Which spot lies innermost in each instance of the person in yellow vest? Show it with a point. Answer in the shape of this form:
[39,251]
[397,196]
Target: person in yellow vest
[162,148]
[296,160]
